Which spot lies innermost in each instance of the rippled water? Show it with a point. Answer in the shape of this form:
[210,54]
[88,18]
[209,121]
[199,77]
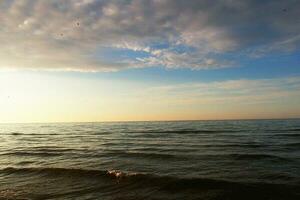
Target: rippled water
[255,159]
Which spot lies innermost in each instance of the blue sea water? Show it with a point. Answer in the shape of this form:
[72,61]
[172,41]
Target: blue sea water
[238,159]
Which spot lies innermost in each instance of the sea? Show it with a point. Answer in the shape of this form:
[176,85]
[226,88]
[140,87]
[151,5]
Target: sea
[209,160]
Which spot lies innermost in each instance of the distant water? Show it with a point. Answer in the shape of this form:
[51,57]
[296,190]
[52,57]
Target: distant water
[255,159]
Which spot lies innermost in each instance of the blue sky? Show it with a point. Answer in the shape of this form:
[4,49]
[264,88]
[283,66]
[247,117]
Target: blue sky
[271,66]
[107,60]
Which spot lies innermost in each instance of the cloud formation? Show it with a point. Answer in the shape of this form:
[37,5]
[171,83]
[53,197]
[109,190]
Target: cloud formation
[230,92]
[73,34]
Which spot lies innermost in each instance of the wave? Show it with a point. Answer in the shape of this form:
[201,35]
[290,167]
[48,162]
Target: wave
[151,186]
[131,176]
[143,155]
[294,129]
[188,131]
[31,134]
[206,131]
[16,133]
[295,144]
[54,171]
[278,176]
[168,156]
[244,145]
[40,154]
[288,135]
[239,156]
[115,174]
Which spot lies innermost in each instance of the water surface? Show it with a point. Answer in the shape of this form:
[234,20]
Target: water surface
[254,159]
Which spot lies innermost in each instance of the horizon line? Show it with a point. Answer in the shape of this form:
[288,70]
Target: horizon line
[128,121]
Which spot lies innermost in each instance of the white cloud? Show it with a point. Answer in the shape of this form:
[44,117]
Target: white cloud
[232,92]
[66,35]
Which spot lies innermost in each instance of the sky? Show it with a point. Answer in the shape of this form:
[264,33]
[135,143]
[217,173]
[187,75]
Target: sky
[127,60]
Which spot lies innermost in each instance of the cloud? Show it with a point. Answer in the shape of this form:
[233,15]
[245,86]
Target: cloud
[230,92]
[71,34]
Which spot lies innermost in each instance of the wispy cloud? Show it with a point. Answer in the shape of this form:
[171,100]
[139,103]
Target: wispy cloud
[231,92]
[69,35]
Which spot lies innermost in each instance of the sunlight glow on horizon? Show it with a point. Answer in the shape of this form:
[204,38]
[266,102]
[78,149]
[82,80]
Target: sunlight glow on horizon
[135,60]
[42,97]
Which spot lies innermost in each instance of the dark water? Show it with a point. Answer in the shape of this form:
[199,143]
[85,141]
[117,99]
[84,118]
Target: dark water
[151,160]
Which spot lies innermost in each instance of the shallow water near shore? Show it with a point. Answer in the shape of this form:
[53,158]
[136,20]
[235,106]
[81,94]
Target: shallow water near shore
[238,159]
